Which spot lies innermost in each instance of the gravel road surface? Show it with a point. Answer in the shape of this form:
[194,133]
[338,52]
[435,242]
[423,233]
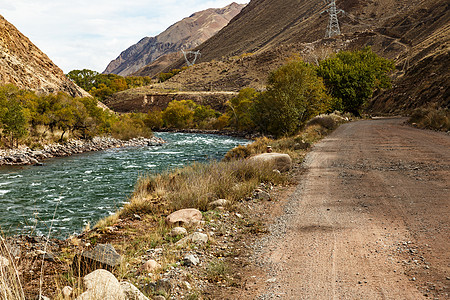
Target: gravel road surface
[370,219]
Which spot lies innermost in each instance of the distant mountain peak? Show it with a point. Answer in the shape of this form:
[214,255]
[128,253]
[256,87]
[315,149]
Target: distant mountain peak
[185,34]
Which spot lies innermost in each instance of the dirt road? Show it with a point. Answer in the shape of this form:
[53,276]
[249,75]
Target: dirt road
[370,219]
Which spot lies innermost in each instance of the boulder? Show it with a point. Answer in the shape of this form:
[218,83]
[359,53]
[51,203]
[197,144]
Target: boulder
[186,216]
[279,161]
[196,237]
[102,285]
[176,231]
[103,256]
[217,203]
[131,292]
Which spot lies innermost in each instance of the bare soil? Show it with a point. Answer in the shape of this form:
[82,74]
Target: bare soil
[369,220]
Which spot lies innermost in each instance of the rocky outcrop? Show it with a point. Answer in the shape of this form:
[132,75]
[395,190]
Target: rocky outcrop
[27,67]
[27,156]
[185,34]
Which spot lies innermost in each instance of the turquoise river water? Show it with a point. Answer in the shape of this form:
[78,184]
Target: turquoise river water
[81,189]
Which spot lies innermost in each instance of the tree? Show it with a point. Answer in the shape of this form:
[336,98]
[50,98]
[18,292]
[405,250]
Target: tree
[14,122]
[86,79]
[240,107]
[352,77]
[179,114]
[294,95]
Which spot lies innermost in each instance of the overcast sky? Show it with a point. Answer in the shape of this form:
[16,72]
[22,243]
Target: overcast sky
[78,34]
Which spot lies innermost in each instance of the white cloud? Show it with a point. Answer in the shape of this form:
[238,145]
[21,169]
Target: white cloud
[89,34]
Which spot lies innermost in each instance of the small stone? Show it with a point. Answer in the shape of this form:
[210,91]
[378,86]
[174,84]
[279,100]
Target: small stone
[199,238]
[217,203]
[67,292]
[178,231]
[261,195]
[4,262]
[191,260]
[185,216]
[159,298]
[150,266]
[164,285]
[239,215]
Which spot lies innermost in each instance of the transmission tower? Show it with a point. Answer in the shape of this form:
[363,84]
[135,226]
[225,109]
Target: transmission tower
[196,55]
[333,24]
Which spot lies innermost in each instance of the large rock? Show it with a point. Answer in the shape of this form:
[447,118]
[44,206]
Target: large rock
[103,256]
[217,203]
[186,216]
[132,292]
[279,161]
[102,285]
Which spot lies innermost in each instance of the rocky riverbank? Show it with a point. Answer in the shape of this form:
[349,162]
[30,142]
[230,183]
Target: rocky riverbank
[27,156]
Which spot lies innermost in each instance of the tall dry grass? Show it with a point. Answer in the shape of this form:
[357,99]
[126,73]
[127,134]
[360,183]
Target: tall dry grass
[10,282]
[431,118]
[195,186]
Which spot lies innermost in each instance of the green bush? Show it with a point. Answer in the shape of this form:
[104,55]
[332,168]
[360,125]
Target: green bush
[294,94]
[352,77]
[239,109]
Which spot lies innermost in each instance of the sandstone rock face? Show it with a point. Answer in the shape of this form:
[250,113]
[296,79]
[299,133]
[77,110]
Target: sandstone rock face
[184,216]
[27,67]
[102,285]
[280,161]
[186,34]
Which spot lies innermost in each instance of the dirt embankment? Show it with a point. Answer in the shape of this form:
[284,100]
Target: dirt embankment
[369,220]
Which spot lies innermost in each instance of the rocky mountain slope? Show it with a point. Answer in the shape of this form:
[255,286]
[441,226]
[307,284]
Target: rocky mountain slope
[25,66]
[415,34]
[185,34]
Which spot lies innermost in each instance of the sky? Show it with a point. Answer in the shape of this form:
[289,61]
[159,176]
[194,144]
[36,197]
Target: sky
[88,34]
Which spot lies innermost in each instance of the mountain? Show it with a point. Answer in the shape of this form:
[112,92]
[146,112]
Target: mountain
[24,65]
[185,34]
[415,34]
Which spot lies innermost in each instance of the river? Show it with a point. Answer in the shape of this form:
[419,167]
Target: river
[80,189]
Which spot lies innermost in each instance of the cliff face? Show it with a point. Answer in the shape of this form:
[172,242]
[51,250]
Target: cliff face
[27,67]
[186,34]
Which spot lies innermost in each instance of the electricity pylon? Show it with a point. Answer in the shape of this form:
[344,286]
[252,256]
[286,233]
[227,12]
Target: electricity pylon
[196,55]
[333,24]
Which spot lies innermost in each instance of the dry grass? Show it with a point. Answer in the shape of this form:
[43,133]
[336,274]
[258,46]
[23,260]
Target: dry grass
[431,118]
[10,281]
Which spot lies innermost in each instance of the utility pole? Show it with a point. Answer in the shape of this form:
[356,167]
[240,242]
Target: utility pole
[196,55]
[333,24]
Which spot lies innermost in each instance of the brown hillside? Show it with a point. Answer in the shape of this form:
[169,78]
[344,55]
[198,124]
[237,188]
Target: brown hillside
[415,34]
[25,66]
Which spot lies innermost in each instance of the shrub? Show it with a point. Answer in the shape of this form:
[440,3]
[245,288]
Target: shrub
[352,77]
[294,94]
[179,114]
[431,118]
[239,109]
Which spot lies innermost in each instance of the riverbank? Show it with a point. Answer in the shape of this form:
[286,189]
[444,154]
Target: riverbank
[26,156]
